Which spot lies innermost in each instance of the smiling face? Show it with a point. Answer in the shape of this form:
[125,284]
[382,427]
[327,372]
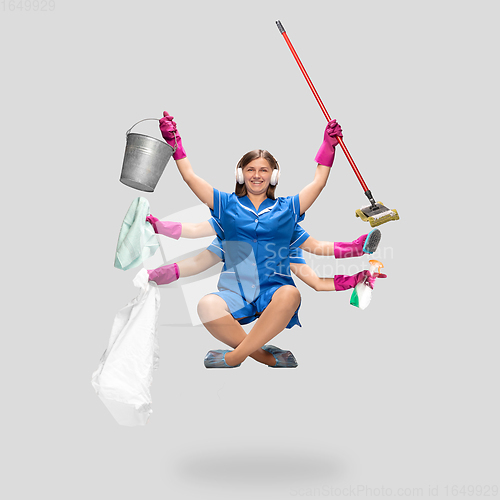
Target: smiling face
[262,165]
[257,175]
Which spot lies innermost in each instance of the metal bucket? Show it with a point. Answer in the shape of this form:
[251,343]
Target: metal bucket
[145,160]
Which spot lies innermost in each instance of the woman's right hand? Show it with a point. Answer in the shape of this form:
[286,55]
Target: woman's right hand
[171,135]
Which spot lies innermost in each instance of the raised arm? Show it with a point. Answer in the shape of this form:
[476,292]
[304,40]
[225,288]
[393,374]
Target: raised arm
[325,157]
[201,188]
[309,194]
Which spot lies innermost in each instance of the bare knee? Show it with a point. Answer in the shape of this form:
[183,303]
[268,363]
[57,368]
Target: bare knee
[212,307]
[289,294]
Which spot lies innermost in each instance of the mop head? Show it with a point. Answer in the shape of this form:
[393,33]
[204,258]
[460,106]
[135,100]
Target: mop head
[377,217]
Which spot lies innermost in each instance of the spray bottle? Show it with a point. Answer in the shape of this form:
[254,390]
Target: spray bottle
[362,293]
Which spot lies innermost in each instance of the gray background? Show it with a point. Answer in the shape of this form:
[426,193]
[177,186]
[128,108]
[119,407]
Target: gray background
[402,395]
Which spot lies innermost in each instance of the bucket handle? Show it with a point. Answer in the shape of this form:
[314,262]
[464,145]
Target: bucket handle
[145,119]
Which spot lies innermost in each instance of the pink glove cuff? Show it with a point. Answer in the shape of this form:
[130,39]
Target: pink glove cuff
[179,153]
[325,155]
[170,229]
[342,250]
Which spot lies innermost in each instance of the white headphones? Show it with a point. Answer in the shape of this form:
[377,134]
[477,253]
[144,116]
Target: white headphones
[275,176]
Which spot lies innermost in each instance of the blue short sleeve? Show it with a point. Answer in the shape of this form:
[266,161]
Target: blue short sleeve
[220,202]
[216,248]
[295,207]
[217,227]
[299,236]
[297,256]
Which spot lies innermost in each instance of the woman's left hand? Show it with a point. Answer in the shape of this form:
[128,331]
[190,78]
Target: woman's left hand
[326,152]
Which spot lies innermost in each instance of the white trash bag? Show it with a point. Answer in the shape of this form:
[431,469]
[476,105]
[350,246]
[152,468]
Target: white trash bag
[125,372]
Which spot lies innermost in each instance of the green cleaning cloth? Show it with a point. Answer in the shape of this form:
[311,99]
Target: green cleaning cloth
[137,240]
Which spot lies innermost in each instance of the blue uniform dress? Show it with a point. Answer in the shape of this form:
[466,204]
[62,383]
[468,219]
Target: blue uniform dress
[296,254]
[256,246]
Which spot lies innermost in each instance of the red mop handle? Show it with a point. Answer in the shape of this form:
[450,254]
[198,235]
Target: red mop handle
[321,105]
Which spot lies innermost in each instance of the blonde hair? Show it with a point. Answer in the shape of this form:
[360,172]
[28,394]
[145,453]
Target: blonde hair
[240,189]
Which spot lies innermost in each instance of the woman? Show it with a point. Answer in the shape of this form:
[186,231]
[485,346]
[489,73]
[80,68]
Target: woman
[256,229]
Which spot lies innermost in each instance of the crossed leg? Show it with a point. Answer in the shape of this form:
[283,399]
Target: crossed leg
[215,315]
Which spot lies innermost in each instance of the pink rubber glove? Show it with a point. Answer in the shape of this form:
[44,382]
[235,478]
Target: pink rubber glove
[167,228]
[152,220]
[371,279]
[165,274]
[343,282]
[326,152]
[170,133]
